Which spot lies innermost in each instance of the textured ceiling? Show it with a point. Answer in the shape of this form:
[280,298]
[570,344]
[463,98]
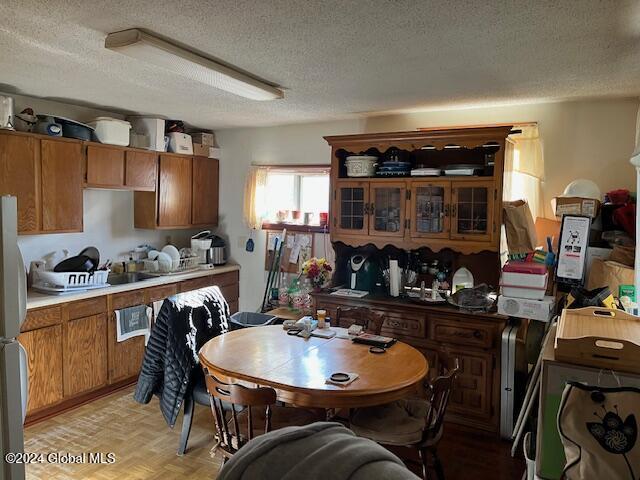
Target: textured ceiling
[333,58]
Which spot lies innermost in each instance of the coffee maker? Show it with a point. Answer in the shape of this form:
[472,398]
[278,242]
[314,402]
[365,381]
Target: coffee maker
[200,244]
[209,248]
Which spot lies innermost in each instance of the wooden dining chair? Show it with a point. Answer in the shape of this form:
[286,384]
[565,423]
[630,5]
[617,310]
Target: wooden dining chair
[412,422]
[241,413]
[369,320]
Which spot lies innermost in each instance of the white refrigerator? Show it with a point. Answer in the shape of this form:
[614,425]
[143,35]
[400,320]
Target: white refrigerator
[13,360]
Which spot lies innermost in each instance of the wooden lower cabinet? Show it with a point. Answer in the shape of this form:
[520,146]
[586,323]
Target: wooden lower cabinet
[85,354]
[72,348]
[443,335]
[44,363]
[472,395]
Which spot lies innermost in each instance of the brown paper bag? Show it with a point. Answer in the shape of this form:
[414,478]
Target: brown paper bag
[623,255]
[519,227]
[609,274]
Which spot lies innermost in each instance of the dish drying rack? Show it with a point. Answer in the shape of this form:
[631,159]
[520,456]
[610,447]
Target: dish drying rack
[68,281]
[185,264]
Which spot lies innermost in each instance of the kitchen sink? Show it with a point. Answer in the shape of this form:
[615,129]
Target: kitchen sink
[131,277]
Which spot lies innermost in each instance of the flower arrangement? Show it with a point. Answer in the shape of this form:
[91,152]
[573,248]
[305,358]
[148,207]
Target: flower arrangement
[317,270]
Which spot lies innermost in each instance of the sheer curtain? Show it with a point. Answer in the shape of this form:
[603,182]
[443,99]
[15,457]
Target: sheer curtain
[255,192]
[524,169]
[523,174]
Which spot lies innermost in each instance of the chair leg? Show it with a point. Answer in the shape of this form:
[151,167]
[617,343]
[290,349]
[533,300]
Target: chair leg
[424,460]
[187,420]
[437,464]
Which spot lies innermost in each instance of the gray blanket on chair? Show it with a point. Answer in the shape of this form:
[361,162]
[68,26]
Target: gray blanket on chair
[320,451]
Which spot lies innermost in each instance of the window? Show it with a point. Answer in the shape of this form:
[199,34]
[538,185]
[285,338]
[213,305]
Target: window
[287,196]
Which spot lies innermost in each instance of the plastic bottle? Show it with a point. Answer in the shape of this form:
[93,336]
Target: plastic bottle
[461,279]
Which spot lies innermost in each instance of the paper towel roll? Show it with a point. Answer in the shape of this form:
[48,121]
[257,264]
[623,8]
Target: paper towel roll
[394,278]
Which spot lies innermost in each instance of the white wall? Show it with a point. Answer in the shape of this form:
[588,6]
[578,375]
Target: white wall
[108,225]
[108,214]
[586,139]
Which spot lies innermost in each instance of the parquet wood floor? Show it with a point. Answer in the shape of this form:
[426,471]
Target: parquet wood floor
[145,447]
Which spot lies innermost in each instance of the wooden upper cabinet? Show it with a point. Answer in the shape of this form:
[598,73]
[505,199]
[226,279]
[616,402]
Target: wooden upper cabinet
[61,186]
[174,196]
[204,209]
[141,171]
[105,167]
[19,176]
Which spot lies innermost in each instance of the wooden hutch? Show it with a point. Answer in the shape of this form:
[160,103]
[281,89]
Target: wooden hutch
[460,213]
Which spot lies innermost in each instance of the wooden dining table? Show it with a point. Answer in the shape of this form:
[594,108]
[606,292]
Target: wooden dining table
[298,368]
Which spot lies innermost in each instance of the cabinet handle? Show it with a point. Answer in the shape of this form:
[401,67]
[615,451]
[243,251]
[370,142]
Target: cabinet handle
[372,209]
[446,210]
[453,210]
[366,209]
[477,334]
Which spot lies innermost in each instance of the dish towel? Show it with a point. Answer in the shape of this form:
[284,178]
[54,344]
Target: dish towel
[133,322]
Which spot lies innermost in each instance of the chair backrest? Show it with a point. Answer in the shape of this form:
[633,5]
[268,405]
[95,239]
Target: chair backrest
[225,400]
[369,320]
[438,393]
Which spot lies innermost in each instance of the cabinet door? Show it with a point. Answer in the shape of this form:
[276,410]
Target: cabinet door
[351,208]
[430,208]
[44,364]
[141,171]
[85,347]
[174,199]
[19,175]
[471,395]
[205,191]
[387,209]
[472,210]
[61,186]
[105,167]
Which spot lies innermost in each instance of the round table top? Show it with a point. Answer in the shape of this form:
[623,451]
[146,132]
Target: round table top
[298,368]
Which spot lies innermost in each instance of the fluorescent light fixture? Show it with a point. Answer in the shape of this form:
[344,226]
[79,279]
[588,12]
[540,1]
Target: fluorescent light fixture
[150,49]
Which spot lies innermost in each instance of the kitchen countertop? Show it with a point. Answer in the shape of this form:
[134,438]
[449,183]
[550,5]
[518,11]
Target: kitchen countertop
[38,300]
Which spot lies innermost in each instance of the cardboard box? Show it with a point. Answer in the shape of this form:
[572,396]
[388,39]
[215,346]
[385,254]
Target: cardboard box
[204,151]
[525,308]
[576,206]
[200,150]
[203,138]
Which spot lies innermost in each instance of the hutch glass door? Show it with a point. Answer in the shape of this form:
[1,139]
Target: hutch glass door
[430,209]
[387,209]
[472,207]
[351,208]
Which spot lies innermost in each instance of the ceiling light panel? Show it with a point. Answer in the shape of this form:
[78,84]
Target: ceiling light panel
[153,50]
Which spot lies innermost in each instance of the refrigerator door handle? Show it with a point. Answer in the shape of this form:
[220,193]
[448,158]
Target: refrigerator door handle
[24,380]
[22,288]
